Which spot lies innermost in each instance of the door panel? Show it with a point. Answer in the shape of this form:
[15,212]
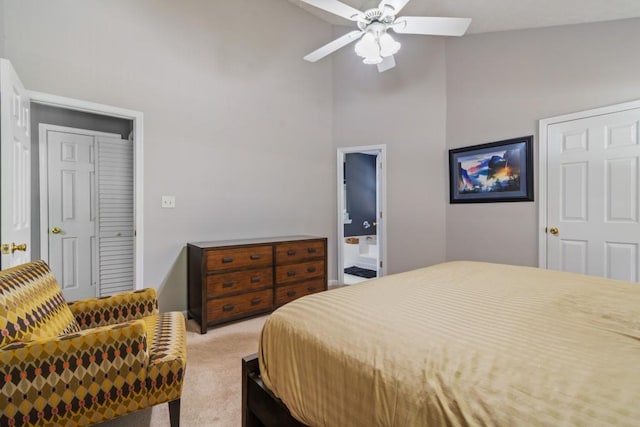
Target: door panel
[574,256]
[575,191]
[622,190]
[594,195]
[15,155]
[70,263]
[622,261]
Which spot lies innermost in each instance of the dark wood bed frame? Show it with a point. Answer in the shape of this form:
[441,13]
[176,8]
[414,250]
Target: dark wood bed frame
[260,407]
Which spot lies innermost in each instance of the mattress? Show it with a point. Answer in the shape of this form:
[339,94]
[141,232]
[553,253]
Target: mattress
[460,343]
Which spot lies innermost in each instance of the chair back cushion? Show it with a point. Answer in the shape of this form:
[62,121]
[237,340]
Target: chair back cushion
[32,305]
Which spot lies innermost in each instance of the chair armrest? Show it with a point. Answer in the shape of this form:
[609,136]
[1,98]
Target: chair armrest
[93,370]
[119,308]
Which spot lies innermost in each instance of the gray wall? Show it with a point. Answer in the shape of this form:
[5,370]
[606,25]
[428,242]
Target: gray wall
[405,109]
[2,36]
[499,85]
[61,117]
[237,125]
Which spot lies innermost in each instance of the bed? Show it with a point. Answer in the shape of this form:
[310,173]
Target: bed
[459,343]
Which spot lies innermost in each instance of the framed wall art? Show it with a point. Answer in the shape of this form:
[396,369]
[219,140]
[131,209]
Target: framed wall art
[499,171]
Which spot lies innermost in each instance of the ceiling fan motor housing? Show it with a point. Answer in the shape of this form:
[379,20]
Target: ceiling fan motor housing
[373,16]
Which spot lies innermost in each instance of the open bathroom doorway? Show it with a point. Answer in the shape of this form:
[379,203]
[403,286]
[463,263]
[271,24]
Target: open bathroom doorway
[361,213]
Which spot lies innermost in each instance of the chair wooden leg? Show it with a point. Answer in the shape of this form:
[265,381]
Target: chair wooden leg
[174,413]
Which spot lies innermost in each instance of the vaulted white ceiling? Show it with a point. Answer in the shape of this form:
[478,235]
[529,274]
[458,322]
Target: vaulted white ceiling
[502,15]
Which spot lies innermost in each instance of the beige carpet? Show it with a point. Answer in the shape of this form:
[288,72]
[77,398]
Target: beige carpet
[212,387]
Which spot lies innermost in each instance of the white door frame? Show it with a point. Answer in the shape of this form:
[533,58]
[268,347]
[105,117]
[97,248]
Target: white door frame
[138,168]
[381,203]
[542,162]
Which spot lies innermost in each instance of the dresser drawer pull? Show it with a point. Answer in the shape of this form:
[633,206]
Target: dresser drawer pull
[228,307]
[227,260]
[256,301]
[311,289]
[291,252]
[228,284]
[255,279]
[291,273]
[311,270]
[291,294]
[255,257]
[311,250]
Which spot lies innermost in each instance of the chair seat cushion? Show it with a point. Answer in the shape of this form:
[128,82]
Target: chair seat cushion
[166,338]
[32,305]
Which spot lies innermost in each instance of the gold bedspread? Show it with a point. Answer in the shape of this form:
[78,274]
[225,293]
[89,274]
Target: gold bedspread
[460,343]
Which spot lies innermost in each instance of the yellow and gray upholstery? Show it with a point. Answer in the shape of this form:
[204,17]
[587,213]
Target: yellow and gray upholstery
[85,362]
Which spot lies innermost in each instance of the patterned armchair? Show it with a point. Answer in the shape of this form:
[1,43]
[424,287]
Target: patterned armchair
[84,362]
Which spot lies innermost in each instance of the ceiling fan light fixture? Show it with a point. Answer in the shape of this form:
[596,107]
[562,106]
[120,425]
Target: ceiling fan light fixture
[368,46]
[388,46]
[374,46]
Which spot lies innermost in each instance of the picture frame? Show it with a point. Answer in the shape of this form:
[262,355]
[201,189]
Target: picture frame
[500,171]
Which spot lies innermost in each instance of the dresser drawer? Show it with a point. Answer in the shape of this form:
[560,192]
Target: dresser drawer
[298,251]
[252,256]
[285,294]
[244,280]
[228,307]
[301,271]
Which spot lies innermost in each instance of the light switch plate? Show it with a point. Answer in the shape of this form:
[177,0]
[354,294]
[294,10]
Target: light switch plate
[169,202]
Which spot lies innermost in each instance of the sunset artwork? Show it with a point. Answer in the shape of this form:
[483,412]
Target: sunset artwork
[499,171]
[496,171]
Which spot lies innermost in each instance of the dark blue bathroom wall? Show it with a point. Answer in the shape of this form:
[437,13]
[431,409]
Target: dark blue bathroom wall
[360,175]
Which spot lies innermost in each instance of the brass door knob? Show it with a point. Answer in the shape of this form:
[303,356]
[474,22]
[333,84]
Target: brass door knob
[554,231]
[22,247]
[56,230]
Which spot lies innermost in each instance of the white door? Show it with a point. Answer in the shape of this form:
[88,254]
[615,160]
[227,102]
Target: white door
[72,212]
[594,195]
[15,158]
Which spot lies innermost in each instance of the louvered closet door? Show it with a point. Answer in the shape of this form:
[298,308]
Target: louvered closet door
[115,216]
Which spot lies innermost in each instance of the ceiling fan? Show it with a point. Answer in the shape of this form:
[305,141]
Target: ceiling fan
[376,46]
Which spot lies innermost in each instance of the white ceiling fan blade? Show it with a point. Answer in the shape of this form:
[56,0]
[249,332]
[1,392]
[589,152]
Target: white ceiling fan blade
[431,25]
[388,62]
[333,46]
[337,8]
[395,6]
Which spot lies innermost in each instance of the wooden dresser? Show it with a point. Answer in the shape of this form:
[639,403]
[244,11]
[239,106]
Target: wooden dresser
[234,279]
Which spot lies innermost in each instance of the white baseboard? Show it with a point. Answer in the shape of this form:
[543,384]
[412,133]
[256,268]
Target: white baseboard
[333,282]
